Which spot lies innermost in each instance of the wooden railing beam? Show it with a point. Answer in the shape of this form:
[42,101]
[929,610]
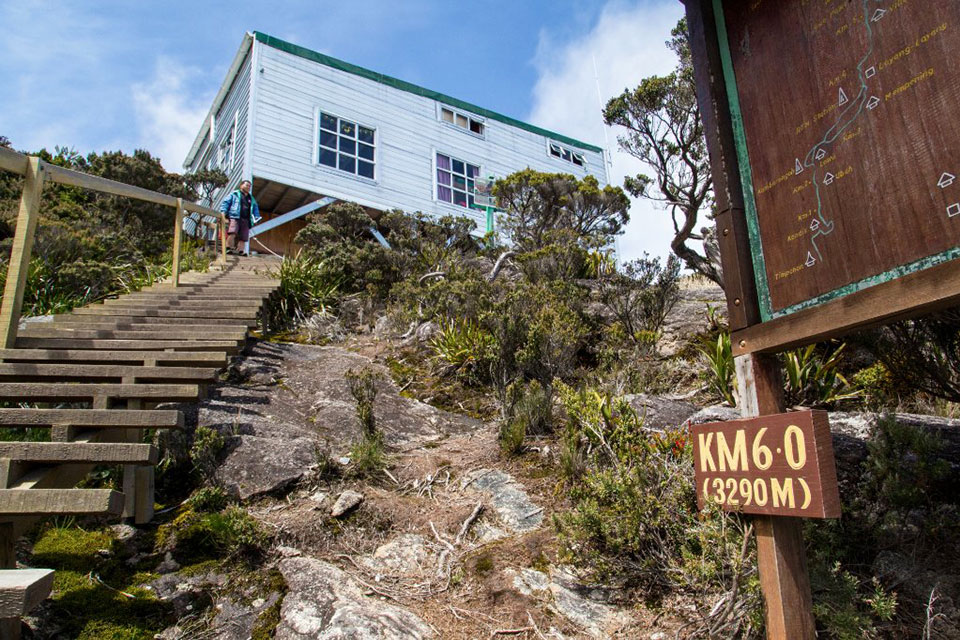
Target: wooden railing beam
[177,233]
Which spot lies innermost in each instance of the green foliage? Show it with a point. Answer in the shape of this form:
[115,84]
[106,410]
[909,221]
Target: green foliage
[366,456]
[306,286]
[813,377]
[877,387]
[527,411]
[231,534]
[720,373]
[465,348]
[852,609]
[340,237]
[634,510]
[536,204]
[208,500]
[205,451]
[642,295]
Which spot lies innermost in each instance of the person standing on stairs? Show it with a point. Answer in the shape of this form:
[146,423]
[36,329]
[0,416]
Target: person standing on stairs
[243,212]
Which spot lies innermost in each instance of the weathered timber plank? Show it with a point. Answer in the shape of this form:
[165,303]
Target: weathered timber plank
[79,372]
[53,502]
[134,322]
[48,330]
[23,589]
[228,346]
[106,323]
[132,357]
[166,313]
[66,392]
[93,418]
[95,452]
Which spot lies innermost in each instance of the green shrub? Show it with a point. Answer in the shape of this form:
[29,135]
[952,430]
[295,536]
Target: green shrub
[464,348]
[208,500]
[813,378]
[367,456]
[306,286]
[877,387]
[642,295]
[720,373]
[229,534]
[528,411]
[205,451]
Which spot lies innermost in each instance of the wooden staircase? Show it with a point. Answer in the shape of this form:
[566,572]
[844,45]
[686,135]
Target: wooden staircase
[117,359]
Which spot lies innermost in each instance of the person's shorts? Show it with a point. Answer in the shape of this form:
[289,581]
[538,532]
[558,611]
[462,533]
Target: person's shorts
[241,227]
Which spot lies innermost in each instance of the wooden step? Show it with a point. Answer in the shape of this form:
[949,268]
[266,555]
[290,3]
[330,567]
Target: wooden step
[106,323]
[21,590]
[49,330]
[227,346]
[80,452]
[93,418]
[31,372]
[222,303]
[131,357]
[60,502]
[144,321]
[244,294]
[67,392]
[166,313]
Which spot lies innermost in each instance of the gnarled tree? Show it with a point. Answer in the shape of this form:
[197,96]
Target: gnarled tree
[664,130]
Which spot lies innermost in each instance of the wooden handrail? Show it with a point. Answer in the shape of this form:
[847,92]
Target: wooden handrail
[42,172]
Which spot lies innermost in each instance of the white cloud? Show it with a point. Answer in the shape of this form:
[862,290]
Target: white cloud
[168,116]
[626,45]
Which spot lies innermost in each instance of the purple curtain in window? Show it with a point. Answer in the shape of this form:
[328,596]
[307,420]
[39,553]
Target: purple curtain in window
[443,162]
[443,178]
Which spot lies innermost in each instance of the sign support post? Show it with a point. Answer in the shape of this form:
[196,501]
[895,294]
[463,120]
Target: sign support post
[780,551]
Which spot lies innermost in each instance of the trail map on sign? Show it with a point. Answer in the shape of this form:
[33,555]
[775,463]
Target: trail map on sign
[847,119]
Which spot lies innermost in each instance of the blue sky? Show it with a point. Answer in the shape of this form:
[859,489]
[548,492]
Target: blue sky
[106,75]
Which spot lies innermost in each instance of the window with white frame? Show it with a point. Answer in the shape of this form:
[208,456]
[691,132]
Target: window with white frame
[347,146]
[461,120]
[225,159]
[455,180]
[569,155]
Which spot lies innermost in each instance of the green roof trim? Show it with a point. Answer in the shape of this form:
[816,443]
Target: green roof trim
[328,61]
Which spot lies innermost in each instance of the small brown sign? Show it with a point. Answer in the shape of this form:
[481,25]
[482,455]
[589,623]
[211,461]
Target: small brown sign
[780,465]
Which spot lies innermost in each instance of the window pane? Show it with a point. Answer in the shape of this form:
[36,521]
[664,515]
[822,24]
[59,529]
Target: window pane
[348,146]
[328,122]
[460,198]
[470,201]
[443,177]
[365,134]
[472,171]
[578,159]
[470,186]
[348,129]
[443,162]
[461,121]
[348,163]
[459,182]
[457,166]
[365,151]
[566,154]
[328,139]
[328,158]
[476,127]
[365,169]
[445,194]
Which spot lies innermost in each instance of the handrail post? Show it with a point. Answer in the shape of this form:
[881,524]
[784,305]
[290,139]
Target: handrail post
[177,232]
[223,239]
[19,266]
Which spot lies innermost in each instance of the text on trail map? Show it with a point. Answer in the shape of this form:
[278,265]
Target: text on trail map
[851,140]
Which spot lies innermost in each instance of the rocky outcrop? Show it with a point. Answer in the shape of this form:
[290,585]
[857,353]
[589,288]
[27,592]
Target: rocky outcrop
[659,412]
[508,497]
[258,466]
[324,603]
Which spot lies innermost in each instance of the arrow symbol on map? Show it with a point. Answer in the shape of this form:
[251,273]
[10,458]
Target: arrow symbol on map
[828,179]
[799,168]
[821,154]
[878,14]
[872,71]
[842,100]
[814,224]
[810,260]
[872,103]
[953,209]
[946,180]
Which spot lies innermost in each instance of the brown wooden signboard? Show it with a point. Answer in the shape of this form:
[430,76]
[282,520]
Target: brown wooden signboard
[771,465]
[849,144]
